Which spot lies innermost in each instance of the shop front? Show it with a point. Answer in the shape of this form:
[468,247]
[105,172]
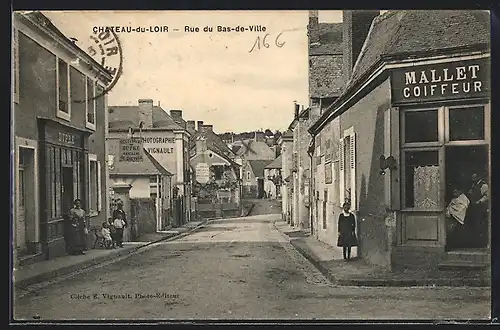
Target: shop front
[63,159]
[444,154]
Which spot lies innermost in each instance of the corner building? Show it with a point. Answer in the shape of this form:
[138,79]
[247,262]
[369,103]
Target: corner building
[419,99]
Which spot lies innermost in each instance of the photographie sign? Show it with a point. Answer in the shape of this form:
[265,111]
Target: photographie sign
[441,81]
[202,172]
[131,150]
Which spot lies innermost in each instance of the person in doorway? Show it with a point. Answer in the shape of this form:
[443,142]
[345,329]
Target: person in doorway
[455,216]
[119,210]
[77,232]
[478,213]
[347,231]
[119,224]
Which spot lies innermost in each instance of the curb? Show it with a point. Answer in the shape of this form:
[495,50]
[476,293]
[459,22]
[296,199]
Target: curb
[98,260]
[387,282]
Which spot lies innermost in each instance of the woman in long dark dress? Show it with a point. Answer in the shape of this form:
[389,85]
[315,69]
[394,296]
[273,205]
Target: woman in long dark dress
[347,231]
[77,229]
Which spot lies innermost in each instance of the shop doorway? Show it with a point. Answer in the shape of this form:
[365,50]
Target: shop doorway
[26,223]
[462,162]
[67,189]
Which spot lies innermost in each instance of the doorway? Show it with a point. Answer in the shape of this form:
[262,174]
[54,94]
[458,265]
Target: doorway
[26,229]
[67,189]
[462,162]
[260,188]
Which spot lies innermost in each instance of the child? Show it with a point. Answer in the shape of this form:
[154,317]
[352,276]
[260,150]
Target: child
[347,231]
[112,231]
[455,217]
[118,223]
[106,233]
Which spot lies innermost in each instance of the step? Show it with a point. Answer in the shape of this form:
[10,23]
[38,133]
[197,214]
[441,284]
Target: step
[481,256]
[462,265]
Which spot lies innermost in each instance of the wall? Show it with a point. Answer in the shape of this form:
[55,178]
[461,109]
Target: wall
[143,214]
[325,75]
[140,185]
[367,119]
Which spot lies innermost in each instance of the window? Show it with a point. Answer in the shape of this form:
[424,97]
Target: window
[466,123]
[421,126]
[63,89]
[248,175]
[90,103]
[15,64]
[94,184]
[422,180]
[347,169]
[152,179]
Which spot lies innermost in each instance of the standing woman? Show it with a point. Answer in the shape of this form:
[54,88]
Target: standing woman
[77,229]
[347,231]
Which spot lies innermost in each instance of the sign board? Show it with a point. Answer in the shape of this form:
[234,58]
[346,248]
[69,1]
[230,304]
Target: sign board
[131,150]
[441,81]
[202,172]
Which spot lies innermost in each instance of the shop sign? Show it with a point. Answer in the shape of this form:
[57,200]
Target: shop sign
[202,172]
[131,150]
[61,137]
[442,81]
[159,144]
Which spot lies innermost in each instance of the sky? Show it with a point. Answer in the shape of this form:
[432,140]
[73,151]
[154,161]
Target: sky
[210,76]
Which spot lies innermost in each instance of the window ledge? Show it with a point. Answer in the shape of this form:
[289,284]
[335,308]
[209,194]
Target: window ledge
[63,115]
[90,126]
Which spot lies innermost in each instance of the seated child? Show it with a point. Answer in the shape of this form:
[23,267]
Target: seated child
[112,230]
[106,233]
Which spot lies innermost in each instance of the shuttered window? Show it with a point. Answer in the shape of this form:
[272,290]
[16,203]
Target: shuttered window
[347,170]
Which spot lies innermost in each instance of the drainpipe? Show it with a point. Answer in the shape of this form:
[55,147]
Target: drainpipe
[312,191]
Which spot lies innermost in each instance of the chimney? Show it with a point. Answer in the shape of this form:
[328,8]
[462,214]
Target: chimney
[176,115]
[296,111]
[191,126]
[146,112]
[260,137]
[313,28]
[355,27]
[199,124]
[201,145]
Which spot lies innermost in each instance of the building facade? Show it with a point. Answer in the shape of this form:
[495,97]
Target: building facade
[409,130]
[273,178]
[286,144]
[165,137]
[60,123]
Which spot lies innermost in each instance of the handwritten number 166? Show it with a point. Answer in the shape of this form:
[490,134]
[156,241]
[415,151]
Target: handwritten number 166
[265,44]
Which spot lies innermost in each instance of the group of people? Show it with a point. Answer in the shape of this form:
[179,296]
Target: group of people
[76,229]
[467,215]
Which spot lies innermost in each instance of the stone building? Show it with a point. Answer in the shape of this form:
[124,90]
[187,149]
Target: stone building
[286,145]
[60,124]
[415,108]
[166,138]
[273,178]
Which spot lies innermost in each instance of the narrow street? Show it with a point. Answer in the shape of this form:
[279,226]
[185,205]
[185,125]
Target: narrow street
[235,268]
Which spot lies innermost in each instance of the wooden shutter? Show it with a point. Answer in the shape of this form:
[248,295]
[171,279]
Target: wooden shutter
[352,150]
[99,190]
[341,172]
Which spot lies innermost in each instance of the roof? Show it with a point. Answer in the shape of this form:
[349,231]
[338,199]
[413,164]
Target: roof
[404,32]
[123,117]
[214,143]
[256,150]
[277,163]
[258,166]
[330,39]
[149,165]
[288,134]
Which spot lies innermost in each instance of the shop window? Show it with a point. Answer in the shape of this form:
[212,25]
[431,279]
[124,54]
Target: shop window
[15,64]
[421,126]
[91,102]
[422,180]
[63,86]
[466,123]
[94,184]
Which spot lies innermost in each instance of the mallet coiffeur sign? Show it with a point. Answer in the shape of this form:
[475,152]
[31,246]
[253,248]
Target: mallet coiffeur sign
[441,81]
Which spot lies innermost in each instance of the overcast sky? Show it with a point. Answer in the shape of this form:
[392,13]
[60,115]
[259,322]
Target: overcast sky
[210,76]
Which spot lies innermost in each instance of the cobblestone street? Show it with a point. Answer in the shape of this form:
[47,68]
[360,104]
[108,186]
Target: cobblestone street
[235,269]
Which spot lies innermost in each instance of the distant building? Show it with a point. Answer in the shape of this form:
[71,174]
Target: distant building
[59,136]
[253,178]
[166,138]
[286,144]
[273,178]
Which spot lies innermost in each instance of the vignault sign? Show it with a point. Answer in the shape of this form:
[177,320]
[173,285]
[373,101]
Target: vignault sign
[441,81]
